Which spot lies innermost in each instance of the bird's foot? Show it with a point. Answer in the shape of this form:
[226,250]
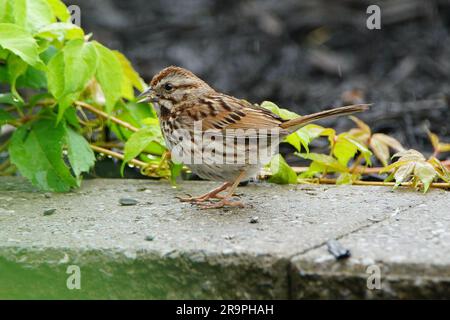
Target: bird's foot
[213,194]
[200,199]
[225,202]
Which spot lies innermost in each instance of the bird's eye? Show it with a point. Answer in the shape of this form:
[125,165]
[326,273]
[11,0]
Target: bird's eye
[168,87]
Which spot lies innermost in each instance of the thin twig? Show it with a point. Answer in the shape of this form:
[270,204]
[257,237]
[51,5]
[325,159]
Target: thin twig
[119,156]
[5,164]
[360,169]
[106,116]
[442,185]
[4,146]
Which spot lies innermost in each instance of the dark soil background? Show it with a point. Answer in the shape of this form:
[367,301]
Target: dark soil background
[303,55]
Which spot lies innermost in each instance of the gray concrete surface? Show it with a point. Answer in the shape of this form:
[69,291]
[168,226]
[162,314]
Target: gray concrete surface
[161,248]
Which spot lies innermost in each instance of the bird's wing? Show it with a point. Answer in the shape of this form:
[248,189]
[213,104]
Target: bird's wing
[222,112]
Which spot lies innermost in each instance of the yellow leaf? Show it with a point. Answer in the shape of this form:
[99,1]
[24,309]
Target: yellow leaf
[409,155]
[393,166]
[380,150]
[441,170]
[425,172]
[361,124]
[434,140]
[130,74]
[402,174]
[389,141]
[359,135]
[444,147]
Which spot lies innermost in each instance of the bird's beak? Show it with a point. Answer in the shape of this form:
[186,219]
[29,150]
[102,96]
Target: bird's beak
[148,96]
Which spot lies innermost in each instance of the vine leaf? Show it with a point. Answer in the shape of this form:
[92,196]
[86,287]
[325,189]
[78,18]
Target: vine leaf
[437,145]
[441,170]
[347,178]
[412,166]
[18,41]
[138,141]
[321,163]
[60,31]
[69,71]
[36,150]
[5,117]
[80,154]
[131,79]
[282,173]
[109,75]
[345,147]
[380,144]
[283,113]
[303,136]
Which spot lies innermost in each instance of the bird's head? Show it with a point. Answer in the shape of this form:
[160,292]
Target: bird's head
[173,85]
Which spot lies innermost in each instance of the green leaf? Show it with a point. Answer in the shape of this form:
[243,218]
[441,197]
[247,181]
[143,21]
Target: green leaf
[60,31]
[132,78]
[325,160]
[32,14]
[308,133]
[16,67]
[282,173]
[344,150]
[347,178]
[283,113]
[175,171]
[59,10]
[36,150]
[138,142]
[18,41]
[361,148]
[346,147]
[71,117]
[4,117]
[32,78]
[6,11]
[139,115]
[70,70]
[109,75]
[81,156]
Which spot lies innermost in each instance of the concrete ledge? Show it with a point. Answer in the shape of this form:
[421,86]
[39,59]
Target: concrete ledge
[160,248]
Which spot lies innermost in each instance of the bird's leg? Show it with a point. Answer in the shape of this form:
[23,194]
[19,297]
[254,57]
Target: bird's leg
[209,195]
[226,201]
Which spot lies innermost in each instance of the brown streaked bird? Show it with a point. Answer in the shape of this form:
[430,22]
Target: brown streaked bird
[182,100]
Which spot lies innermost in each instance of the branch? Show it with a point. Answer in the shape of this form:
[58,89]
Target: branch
[442,185]
[119,156]
[105,115]
[358,169]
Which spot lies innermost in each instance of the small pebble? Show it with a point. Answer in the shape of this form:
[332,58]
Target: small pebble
[49,212]
[128,202]
[337,250]
[149,238]
[254,220]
